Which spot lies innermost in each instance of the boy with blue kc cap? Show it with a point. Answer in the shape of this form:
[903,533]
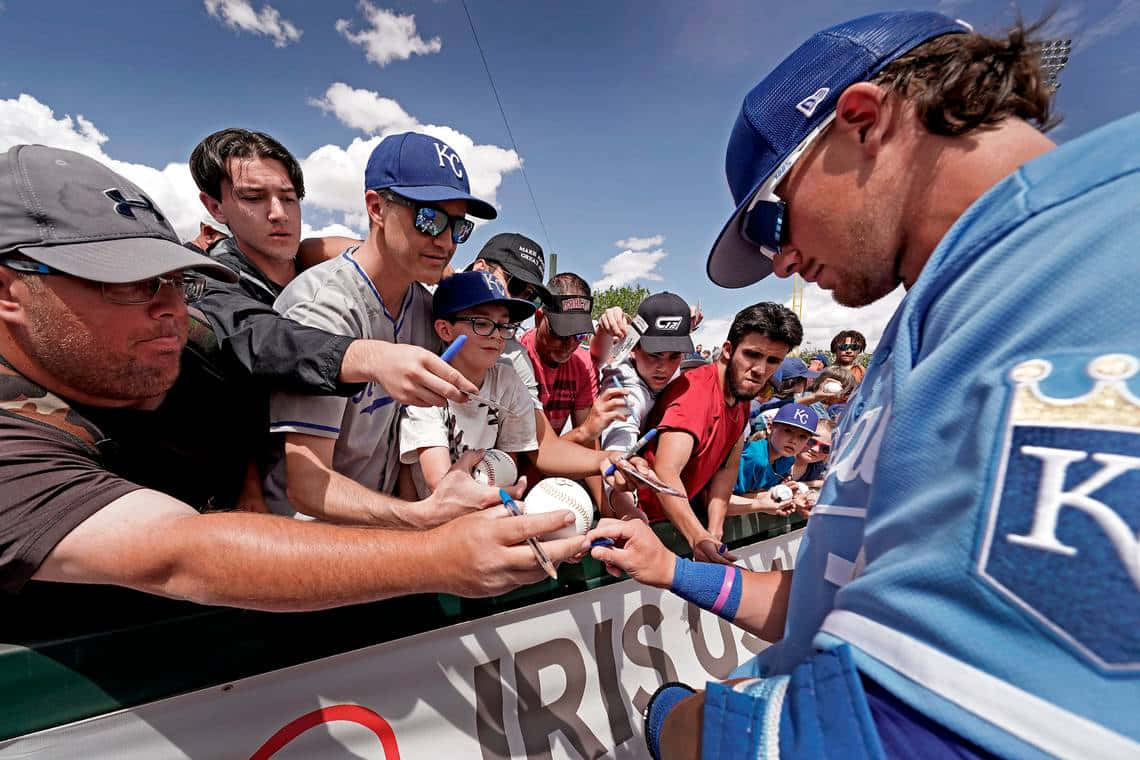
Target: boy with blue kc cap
[962,582]
[768,462]
[341,458]
[432,439]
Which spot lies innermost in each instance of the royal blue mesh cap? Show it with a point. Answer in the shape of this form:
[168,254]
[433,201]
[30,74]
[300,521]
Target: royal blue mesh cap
[422,168]
[467,289]
[798,97]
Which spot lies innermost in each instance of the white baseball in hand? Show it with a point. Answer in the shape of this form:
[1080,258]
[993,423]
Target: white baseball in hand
[831,387]
[780,493]
[496,468]
[553,494]
[801,487]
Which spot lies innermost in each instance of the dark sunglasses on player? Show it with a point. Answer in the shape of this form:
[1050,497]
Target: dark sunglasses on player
[765,223]
[431,220]
[849,347]
[815,443]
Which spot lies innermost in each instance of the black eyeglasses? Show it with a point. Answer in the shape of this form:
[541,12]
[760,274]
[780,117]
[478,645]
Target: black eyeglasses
[815,443]
[190,286]
[486,327]
[432,221]
[849,347]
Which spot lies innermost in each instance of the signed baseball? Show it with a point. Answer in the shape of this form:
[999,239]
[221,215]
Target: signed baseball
[496,468]
[553,494]
[831,387]
[780,493]
[801,487]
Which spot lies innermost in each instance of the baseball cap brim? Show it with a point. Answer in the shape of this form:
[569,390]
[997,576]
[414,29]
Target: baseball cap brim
[436,193]
[658,344]
[573,323]
[795,425]
[126,259]
[734,262]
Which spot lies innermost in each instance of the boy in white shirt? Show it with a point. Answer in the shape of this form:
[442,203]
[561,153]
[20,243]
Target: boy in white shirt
[433,438]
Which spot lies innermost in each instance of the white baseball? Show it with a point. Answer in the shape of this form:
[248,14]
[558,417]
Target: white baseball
[553,494]
[780,493]
[496,468]
[802,487]
[831,387]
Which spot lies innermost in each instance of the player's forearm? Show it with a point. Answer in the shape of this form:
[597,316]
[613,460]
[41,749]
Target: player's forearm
[764,603]
[270,563]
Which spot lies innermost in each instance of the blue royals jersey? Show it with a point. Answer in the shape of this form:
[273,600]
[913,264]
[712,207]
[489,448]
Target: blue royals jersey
[975,542]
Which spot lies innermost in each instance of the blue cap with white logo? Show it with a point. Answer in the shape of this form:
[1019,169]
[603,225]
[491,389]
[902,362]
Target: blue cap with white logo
[797,415]
[790,107]
[422,168]
[467,289]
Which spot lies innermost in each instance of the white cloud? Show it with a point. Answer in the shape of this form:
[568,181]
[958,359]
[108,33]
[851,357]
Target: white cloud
[240,15]
[26,120]
[629,266]
[823,317]
[389,36]
[712,332]
[641,244]
[330,230]
[334,176]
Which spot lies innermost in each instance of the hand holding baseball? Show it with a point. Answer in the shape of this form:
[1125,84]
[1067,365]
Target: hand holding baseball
[458,493]
[636,551]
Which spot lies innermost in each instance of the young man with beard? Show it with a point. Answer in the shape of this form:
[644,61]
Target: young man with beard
[963,583]
[93,318]
[700,418]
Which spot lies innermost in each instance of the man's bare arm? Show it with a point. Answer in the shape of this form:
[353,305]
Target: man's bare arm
[674,448]
[720,490]
[152,542]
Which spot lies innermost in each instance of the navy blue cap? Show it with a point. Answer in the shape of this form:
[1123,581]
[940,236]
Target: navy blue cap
[797,415]
[797,98]
[794,367]
[466,289]
[422,168]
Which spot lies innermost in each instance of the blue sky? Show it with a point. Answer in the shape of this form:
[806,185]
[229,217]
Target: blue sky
[621,111]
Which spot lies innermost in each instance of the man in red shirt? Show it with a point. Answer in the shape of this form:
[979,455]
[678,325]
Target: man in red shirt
[701,417]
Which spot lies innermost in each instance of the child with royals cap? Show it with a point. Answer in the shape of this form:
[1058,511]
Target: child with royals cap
[475,305]
[768,462]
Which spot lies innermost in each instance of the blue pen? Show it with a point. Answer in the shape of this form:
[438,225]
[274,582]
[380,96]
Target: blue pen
[607,542]
[633,449]
[543,561]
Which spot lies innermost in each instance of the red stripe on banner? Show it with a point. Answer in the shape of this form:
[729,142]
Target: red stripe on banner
[351,713]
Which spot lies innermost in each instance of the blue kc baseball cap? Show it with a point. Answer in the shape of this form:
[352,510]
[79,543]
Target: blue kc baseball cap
[785,112]
[467,289]
[797,415]
[422,168]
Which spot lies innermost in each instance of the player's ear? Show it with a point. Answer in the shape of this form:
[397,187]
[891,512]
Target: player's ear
[864,115]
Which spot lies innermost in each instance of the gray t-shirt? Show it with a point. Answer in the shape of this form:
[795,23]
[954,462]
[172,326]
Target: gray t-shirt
[338,296]
[472,425]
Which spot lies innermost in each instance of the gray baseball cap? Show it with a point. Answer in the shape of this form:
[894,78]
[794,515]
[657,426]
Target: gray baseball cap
[72,213]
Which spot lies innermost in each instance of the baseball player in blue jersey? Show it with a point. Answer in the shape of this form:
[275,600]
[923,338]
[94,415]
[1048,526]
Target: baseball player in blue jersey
[969,582]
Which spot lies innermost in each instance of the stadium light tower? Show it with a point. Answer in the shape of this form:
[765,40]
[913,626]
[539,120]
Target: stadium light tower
[798,296]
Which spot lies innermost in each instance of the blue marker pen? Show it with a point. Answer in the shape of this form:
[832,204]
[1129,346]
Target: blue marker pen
[633,449]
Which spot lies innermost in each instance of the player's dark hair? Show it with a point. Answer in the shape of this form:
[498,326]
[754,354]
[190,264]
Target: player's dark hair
[846,335]
[568,284]
[210,159]
[772,320]
[962,82]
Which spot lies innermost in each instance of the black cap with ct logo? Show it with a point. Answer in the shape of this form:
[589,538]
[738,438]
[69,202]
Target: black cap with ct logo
[73,214]
[668,324]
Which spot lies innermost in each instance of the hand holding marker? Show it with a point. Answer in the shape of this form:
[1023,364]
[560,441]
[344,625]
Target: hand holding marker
[513,508]
[641,443]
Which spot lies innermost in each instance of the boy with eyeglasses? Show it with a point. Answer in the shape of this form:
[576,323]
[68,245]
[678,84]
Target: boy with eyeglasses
[432,439]
[340,460]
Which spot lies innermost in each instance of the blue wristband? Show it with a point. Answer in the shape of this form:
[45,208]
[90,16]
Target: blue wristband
[713,587]
[660,705]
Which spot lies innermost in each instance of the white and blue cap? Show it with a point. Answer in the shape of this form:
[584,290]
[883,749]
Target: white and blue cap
[465,290]
[783,114]
[798,416]
[422,168]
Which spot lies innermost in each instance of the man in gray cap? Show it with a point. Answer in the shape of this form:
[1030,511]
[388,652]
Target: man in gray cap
[93,319]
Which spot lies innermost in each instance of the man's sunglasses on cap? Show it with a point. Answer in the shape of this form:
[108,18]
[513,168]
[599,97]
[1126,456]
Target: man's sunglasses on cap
[431,220]
[765,223]
[190,285]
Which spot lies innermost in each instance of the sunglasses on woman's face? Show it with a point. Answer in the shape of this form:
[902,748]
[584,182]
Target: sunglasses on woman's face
[815,443]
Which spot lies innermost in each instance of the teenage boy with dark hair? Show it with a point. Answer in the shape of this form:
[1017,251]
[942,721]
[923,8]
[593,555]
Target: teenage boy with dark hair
[701,418]
[847,346]
[432,439]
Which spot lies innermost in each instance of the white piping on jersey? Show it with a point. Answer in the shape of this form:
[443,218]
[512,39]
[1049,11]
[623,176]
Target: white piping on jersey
[772,690]
[1031,719]
[835,510]
[839,571]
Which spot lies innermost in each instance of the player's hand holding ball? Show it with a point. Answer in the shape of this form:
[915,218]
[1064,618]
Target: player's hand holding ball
[636,551]
[555,494]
